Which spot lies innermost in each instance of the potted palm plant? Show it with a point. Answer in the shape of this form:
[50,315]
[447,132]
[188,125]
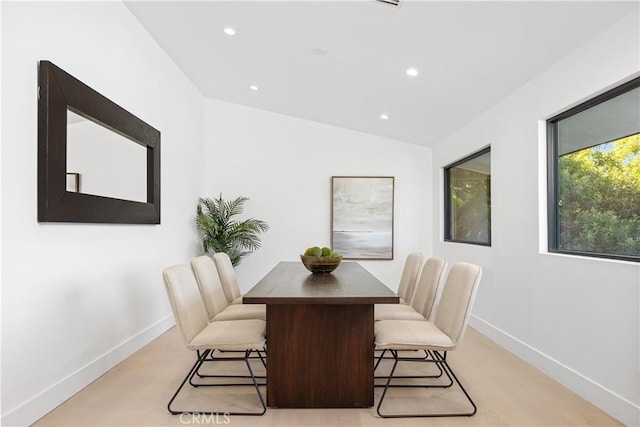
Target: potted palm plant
[220,232]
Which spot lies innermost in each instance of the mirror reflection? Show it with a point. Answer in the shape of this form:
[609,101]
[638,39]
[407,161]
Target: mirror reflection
[104,162]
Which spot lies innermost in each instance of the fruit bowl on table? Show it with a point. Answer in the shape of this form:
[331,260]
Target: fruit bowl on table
[321,264]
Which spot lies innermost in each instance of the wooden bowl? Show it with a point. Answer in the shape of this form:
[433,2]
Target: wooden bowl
[320,264]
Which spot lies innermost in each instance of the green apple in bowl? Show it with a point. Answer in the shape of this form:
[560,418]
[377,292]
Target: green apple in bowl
[320,260]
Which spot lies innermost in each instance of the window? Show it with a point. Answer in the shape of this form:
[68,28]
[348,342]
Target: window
[594,176]
[467,199]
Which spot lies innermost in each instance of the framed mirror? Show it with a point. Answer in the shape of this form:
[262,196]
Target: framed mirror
[85,138]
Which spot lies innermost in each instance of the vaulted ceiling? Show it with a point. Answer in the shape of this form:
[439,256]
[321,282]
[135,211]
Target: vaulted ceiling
[344,63]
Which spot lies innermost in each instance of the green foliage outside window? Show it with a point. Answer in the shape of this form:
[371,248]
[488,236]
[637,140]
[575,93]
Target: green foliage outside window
[468,199]
[599,198]
[471,205]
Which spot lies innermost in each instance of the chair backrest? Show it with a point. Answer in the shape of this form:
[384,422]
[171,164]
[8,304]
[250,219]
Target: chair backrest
[457,299]
[427,287]
[409,276]
[185,300]
[227,276]
[208,280]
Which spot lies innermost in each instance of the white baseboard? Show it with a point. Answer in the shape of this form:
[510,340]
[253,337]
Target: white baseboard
[615,405]
[33,409]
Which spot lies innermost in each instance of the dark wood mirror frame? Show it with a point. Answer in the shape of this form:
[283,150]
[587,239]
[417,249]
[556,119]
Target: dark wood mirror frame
[58,92]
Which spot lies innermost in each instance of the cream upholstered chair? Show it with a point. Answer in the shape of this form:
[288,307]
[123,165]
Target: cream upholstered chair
[436,338]
[423,298]
[215,301]
[205,337]
[409,276]
[228,277]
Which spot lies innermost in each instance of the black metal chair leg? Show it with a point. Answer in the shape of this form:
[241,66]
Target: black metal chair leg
[438,359]
[425,358]
[379,359]
[192,372]
[202,357]
[448,368]
[386,387]
[261,359]
[212,358]
[255,383]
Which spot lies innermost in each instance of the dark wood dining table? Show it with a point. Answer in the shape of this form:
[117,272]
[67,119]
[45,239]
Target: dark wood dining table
[320,337]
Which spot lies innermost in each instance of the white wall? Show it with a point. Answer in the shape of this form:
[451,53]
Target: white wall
[574,318]
[284,165]
[78,298]
[1,203]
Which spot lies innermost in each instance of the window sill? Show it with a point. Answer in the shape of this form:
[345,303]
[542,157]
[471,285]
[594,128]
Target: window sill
[601,258]
[467,242]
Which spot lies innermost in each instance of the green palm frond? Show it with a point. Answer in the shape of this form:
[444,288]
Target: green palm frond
[221,233]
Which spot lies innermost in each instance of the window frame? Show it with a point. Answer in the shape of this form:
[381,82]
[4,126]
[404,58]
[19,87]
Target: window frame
[447,199]
[552,171]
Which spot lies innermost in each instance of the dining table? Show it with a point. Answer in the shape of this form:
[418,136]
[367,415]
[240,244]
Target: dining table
[320,334]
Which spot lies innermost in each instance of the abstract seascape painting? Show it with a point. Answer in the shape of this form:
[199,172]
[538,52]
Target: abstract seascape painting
[362,216]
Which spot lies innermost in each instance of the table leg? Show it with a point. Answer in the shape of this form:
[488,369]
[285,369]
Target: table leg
[320,356]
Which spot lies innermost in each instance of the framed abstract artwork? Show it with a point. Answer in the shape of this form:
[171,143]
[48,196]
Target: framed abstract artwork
[362,216]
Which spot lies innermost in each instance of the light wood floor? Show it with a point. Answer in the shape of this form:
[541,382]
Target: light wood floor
[506,390]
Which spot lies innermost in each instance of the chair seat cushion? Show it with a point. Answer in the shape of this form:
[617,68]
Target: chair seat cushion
[231,335]
[242,311]
[396,312]
[411,335]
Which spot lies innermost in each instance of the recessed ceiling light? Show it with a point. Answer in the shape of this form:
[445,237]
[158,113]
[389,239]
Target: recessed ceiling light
[412,72]
[230,31]
[384,117]
[253,87]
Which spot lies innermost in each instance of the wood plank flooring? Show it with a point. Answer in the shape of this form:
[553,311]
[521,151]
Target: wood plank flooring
[506,390]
